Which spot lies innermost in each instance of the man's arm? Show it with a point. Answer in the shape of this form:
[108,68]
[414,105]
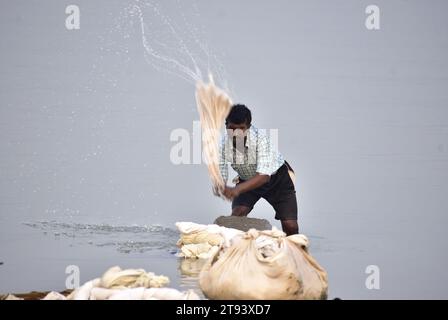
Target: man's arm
[256,181]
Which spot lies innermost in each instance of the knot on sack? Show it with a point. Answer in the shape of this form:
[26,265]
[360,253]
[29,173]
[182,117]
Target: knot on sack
[252,234]
[274,233]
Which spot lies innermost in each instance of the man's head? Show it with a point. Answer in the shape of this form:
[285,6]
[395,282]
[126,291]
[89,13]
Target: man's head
[239,118]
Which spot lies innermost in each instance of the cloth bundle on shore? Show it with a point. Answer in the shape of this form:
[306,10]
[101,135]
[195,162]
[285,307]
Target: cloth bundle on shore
[213,105]
[129,284]
[264,265]
[203,241]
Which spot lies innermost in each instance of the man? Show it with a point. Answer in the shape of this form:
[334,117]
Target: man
[262,171]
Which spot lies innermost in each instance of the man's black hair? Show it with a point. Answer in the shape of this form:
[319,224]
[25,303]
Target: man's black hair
[239,114]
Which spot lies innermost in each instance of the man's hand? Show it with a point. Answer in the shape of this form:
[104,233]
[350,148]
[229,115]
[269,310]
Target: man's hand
[231,192]
[251,184]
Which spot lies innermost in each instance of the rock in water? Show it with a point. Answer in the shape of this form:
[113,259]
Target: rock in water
[243,223]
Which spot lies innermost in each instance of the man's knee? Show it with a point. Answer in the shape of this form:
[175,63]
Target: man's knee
[241,211]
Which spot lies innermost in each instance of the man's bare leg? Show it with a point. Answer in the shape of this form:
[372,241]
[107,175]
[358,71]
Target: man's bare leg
[241,211]
[290,227]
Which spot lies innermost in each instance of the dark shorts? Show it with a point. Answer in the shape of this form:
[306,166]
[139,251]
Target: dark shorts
[279,192]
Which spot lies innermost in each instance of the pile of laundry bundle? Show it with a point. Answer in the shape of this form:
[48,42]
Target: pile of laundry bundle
[203,241]
[128,284]
[264,265]
[254,264]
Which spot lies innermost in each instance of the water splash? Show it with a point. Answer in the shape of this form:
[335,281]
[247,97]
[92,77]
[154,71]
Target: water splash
[125,239]
[175,48]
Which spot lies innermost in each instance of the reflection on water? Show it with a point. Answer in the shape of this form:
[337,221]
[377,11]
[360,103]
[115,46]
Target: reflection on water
[189,270]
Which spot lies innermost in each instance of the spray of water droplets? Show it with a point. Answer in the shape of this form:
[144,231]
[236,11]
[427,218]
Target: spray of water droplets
[173,44]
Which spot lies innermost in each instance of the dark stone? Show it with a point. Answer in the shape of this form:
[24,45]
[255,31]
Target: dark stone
[243,223]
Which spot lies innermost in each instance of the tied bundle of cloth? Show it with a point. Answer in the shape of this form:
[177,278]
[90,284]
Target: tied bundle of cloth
[129,284]
[264,265]
[252,265]
[203,241]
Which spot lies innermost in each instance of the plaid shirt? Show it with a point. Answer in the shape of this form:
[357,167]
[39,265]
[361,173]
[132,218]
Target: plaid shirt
[260,156]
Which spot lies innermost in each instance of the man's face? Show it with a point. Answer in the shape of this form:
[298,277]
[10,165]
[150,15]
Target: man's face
[237,133]
[236,130]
